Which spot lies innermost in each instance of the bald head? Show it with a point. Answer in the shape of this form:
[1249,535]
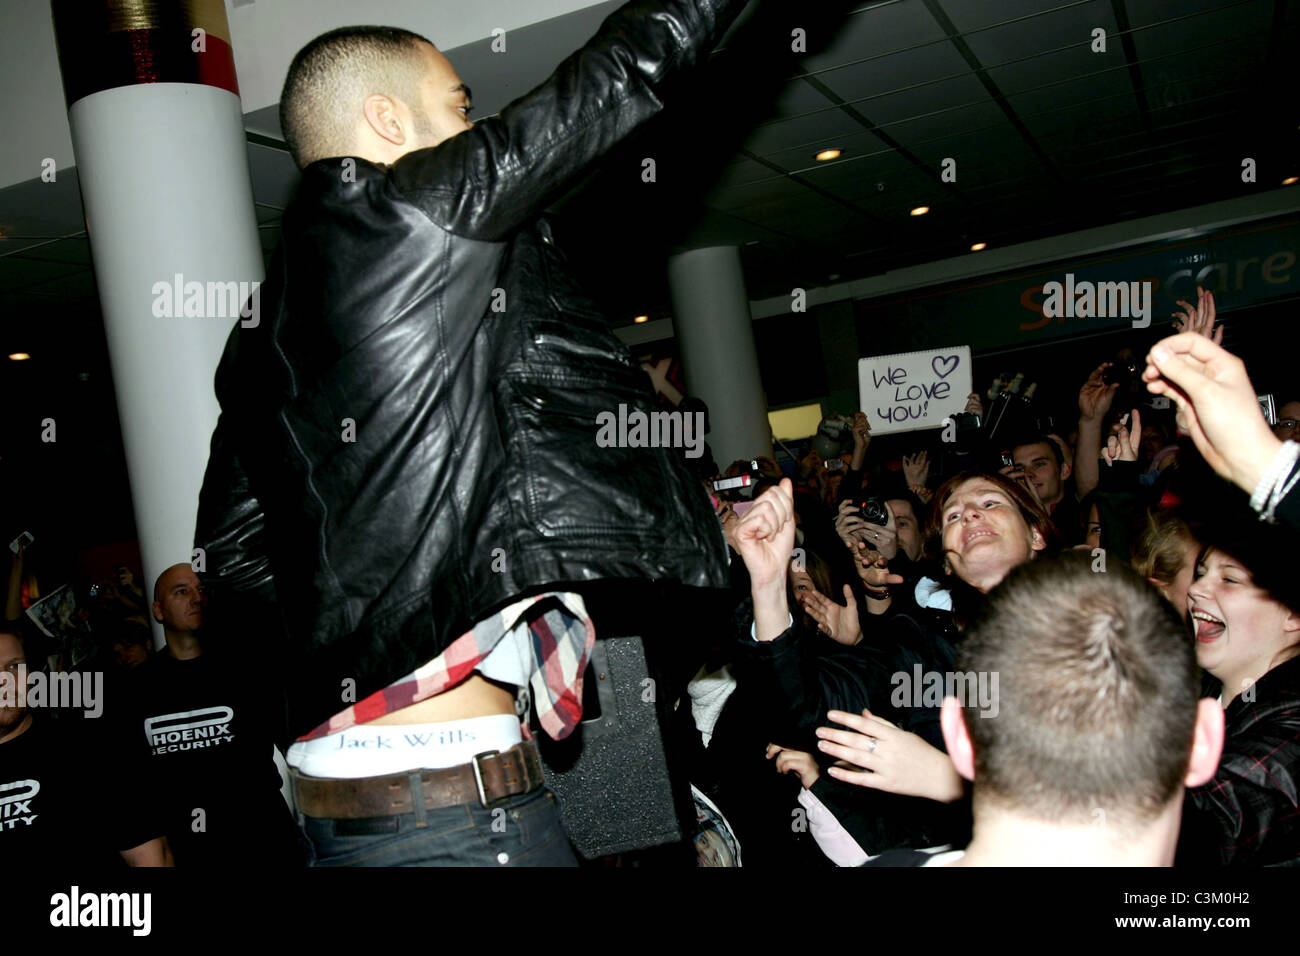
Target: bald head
[178,600]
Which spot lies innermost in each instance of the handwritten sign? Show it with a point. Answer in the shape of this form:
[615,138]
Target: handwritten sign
[914,390]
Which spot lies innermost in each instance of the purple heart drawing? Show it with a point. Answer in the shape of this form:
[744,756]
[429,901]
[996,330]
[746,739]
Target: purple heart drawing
[939,362]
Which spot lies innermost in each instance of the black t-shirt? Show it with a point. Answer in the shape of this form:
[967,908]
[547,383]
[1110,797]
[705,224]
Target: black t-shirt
[200,735]
[62,804]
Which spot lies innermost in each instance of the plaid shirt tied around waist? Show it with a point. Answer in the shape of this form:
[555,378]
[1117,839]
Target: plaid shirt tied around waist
[561,636]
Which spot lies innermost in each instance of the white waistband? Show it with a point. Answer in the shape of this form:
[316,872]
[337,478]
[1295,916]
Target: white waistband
[371,750]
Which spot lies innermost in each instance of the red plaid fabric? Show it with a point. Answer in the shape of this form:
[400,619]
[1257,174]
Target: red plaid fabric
[561,636]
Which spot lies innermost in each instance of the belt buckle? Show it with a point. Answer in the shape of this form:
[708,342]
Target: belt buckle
[478,777]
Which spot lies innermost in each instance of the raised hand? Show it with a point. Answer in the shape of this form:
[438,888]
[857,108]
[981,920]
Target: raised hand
[1123,443]
[764,539]
[1216,405]
[891,759]
[839,622]
[873,568]
[1199,319]
[861,430]
[1095,396]
[974,406]
[764,536]
[916,468]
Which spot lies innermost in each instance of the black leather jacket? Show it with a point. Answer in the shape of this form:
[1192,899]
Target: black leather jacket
[407,437]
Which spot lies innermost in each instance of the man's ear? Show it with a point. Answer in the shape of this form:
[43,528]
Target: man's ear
[1036,540]
[383,117]
[956,738]
[1292,622]
[1207,743]
[1067,470]
[157,612]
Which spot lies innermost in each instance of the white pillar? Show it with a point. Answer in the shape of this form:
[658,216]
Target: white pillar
[716,337]
[165,184]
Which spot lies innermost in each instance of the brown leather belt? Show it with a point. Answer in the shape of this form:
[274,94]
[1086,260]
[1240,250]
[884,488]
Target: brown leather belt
[489,778]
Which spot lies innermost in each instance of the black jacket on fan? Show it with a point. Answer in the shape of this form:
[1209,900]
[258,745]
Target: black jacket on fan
[407,439]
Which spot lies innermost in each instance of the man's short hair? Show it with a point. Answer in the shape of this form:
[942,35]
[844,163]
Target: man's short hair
[1057,452]
[330,78]
[1098,689]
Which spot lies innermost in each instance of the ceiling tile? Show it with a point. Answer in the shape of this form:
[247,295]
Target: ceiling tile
[875,31]
[809,131]
[922,68]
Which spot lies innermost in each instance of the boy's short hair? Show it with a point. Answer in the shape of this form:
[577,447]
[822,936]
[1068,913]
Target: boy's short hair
[1098,689]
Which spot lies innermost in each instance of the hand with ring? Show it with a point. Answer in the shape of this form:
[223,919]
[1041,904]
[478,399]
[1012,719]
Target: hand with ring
[892,759]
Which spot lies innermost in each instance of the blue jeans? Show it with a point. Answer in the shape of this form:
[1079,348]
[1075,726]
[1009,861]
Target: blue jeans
[519,831]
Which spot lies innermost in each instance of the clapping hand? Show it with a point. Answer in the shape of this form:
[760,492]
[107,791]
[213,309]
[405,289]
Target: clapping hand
[839,622]
[1201,318]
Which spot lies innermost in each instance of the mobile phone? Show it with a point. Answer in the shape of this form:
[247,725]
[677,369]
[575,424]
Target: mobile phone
[834,464]
[739,481]
[1267,406]
[740,507]
[22,541]
[1007,460]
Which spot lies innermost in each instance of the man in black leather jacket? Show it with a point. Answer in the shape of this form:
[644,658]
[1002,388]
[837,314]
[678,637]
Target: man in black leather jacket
[407,435]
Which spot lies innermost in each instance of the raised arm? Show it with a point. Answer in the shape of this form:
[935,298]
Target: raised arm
[491,179]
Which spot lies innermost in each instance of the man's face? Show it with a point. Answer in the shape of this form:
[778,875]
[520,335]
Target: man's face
[445,102]
[13,663]
[1043,471]
[1153,440]
[1288,422]
[909,533]
[180,603]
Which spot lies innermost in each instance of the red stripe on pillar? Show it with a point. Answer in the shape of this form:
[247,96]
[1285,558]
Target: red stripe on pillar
[93,60]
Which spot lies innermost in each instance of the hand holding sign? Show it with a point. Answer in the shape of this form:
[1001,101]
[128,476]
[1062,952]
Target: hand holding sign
[914,390]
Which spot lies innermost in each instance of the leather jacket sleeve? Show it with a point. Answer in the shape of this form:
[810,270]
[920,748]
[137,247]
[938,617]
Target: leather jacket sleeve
[488,181]
[231,527]
[803,678]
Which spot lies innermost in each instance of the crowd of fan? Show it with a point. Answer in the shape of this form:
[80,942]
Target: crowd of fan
[1013,647]
[1063,649]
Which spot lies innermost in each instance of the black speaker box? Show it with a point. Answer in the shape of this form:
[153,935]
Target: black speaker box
[612,774]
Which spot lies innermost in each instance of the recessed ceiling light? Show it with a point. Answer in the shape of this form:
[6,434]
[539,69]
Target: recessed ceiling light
[19,356]
[641,318]
[920,210]
[978,246]
[826,155]
[1291,180]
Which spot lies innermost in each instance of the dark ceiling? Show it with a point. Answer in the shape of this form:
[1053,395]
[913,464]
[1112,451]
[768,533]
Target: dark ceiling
[1047,135]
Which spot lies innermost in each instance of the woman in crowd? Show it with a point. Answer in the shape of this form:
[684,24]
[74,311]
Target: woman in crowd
[1249,642]
[986,525]
[1165,554]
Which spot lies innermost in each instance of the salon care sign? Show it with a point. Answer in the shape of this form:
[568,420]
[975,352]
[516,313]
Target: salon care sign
[914,390]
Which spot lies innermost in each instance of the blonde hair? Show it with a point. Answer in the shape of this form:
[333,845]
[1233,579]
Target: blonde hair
[1160,552]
